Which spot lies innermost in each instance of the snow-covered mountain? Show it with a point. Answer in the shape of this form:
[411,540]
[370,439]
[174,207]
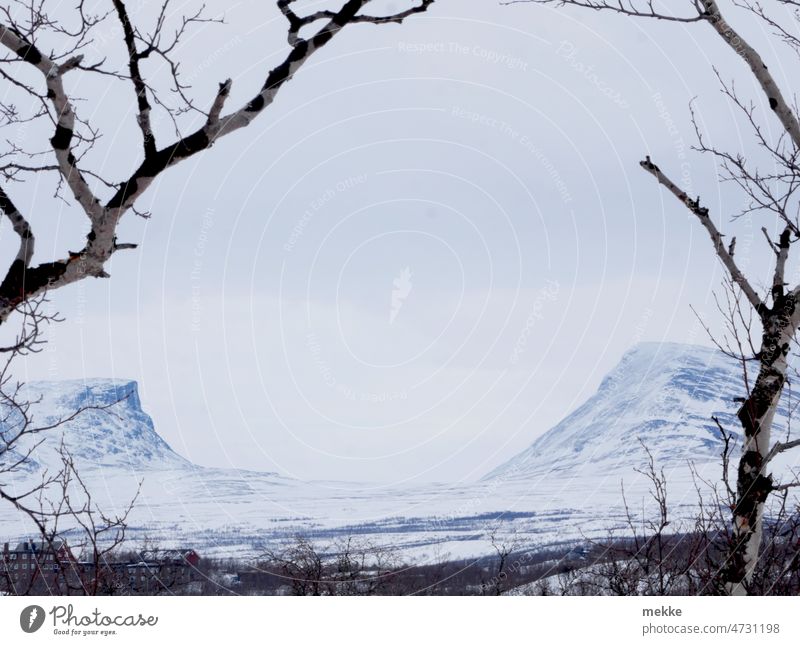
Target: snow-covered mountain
[662,395]
[565,486]
[109,429]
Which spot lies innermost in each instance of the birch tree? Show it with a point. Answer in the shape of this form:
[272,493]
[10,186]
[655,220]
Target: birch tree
[769,190]
[41,52]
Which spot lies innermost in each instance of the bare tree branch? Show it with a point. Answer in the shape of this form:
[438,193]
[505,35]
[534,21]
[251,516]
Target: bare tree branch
[73,137]
[716,237]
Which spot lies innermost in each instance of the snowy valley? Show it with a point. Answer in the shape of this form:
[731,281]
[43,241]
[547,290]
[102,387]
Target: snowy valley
[565,487]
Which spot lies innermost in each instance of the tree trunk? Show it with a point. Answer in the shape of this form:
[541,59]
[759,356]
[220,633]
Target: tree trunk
[754,483]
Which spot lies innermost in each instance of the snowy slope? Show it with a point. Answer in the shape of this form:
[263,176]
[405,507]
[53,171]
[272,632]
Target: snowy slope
[567,485]
[111,430]
[661,394]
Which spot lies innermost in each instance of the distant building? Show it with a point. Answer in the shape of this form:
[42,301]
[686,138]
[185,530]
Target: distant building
[37,567]
[43,568]
[162,571]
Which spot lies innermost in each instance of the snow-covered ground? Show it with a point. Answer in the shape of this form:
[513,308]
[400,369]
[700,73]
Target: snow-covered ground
[563,488]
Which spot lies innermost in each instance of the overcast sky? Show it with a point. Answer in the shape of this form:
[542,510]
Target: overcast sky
[428,251]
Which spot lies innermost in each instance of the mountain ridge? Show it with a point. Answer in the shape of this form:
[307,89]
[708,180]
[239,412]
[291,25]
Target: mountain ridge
[661,394]
[108,427]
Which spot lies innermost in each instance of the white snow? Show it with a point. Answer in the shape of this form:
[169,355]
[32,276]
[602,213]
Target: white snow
[563,488]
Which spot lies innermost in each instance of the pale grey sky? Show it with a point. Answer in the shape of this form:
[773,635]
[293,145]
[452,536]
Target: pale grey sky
[426,253]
